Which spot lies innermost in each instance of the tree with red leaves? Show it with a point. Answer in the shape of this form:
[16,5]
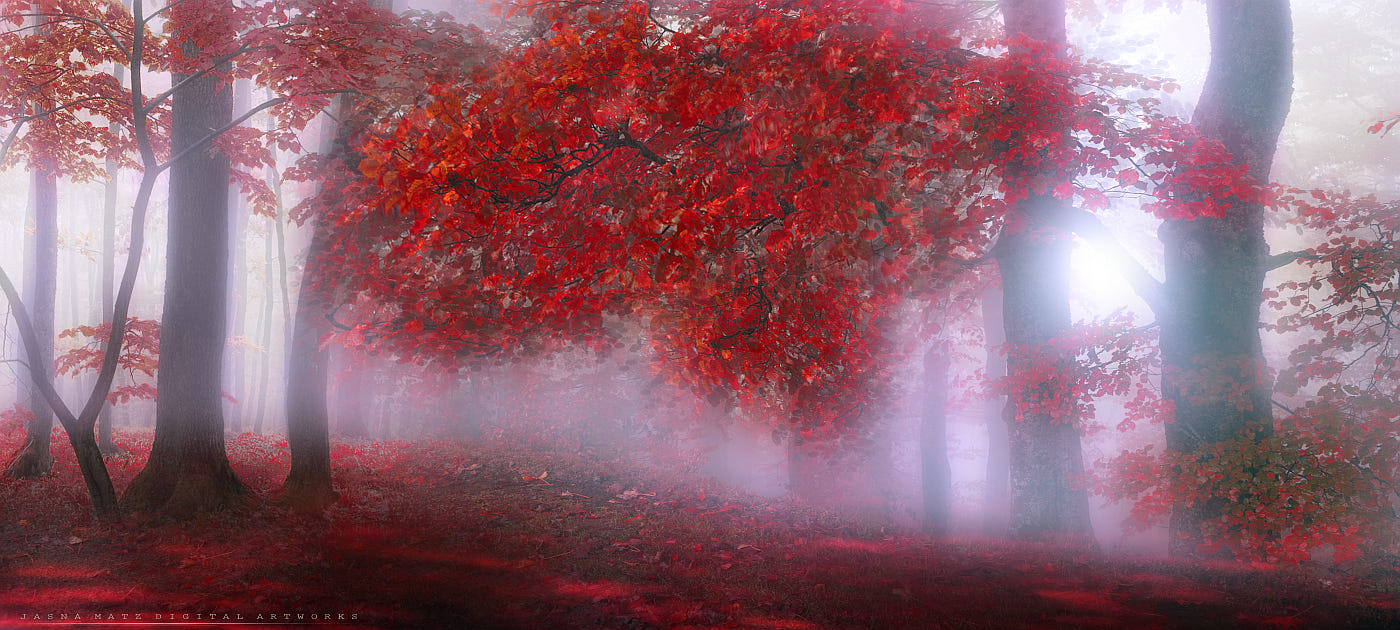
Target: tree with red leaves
[308,483]
[760,185]
[296,49]
[1216,394]
[40,97]
[42,64]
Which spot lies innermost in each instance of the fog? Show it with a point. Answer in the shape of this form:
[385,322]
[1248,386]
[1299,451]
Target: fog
[616,406]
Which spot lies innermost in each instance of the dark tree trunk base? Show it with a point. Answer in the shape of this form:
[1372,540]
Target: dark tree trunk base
[95,476]
[310,493]
[185,489]
[30,461]
[112,450]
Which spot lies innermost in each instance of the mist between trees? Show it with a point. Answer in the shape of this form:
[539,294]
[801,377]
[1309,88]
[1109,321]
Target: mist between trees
[965,266]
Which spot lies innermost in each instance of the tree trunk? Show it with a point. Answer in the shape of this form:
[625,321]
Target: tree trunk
[937,477]
[188,470]
[308,484]
[35,456]
[1215,372]
[94,470]
[1033,259]
[997,508]
[238,282]
[109,267]
[265,334]
[356,395]
[797,466]
[1045,454]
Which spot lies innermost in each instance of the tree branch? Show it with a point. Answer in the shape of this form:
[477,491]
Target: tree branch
[1287,258]
[39,373]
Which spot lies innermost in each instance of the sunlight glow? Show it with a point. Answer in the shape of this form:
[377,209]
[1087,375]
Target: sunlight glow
[1097,286]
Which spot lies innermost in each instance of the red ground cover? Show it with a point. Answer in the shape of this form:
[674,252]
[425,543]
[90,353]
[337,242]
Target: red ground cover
[483,534]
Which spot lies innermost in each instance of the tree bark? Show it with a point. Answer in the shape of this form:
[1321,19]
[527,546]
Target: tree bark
[109,267]
[238,281]
[356,395]
[1045,455]
[35,456]
[1032,256]
[1215,374]
[188,470]
[937,479]
[265,334]
[308,483]
[996,517]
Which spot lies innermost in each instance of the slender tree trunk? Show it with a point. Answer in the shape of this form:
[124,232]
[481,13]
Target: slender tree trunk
[937,478]
[275,228]
[356,396]
[109,267]
[238,281]
[308,484]
[109,264]
[1215,373]
[1033,258]
[797,466]
[80,426]
[265,336]
[35,457]
[188,470]
[998,492]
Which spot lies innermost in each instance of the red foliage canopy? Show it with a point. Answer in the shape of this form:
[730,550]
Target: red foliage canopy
[759,184]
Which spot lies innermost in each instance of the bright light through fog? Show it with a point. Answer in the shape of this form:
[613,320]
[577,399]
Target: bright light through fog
[1097,284]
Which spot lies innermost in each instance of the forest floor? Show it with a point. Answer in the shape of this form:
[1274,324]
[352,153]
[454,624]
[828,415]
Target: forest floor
[469,534]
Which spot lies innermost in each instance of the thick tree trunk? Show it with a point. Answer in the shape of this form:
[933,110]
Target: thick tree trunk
[1215,372]
[1045,454]
[35,457]
[937,477]
[997,509]
[1033,258]
[188,470]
